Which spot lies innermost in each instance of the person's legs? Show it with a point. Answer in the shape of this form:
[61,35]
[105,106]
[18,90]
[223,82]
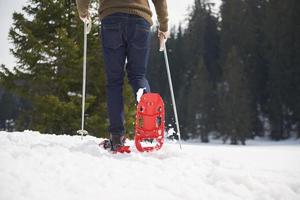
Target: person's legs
[114,51]
[138,47]
[123,36]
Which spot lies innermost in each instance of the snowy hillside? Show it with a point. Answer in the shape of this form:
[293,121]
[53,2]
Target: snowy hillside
[47,167]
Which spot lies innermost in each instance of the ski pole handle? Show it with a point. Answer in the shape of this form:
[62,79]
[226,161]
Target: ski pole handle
[163,37]
[162,44]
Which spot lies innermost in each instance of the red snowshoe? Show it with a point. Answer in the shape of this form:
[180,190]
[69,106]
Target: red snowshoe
[149,123]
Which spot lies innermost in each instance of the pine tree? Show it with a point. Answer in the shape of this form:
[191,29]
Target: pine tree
[235,101]
[281,46]
[8,108]
[193,49]
[295,72]
[201,103]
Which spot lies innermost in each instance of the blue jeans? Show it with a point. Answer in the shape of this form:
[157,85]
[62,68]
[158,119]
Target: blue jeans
[124,36]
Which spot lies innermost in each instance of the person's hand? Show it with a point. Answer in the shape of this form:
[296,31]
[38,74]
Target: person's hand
[163,37]
[87,20]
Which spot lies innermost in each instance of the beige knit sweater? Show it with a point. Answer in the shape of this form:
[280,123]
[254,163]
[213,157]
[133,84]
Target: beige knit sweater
[136,7]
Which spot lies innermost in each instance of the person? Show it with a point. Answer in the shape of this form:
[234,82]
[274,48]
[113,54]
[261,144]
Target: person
[125,33]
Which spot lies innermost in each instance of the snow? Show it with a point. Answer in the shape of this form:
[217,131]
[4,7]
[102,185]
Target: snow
[36,166]
[139,94]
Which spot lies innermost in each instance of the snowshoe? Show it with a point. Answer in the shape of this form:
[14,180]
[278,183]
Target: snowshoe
[115,144]
[149,123]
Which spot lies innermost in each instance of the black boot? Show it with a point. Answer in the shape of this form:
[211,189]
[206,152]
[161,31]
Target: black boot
[114,143]
[117,141]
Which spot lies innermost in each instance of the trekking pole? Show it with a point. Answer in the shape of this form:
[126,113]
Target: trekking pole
[83,132]
[172,92]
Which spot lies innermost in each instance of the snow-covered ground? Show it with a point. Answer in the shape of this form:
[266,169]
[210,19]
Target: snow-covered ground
[41,167]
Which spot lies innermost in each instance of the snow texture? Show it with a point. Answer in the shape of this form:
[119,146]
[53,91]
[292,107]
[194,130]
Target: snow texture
[35,166]
[139,94]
